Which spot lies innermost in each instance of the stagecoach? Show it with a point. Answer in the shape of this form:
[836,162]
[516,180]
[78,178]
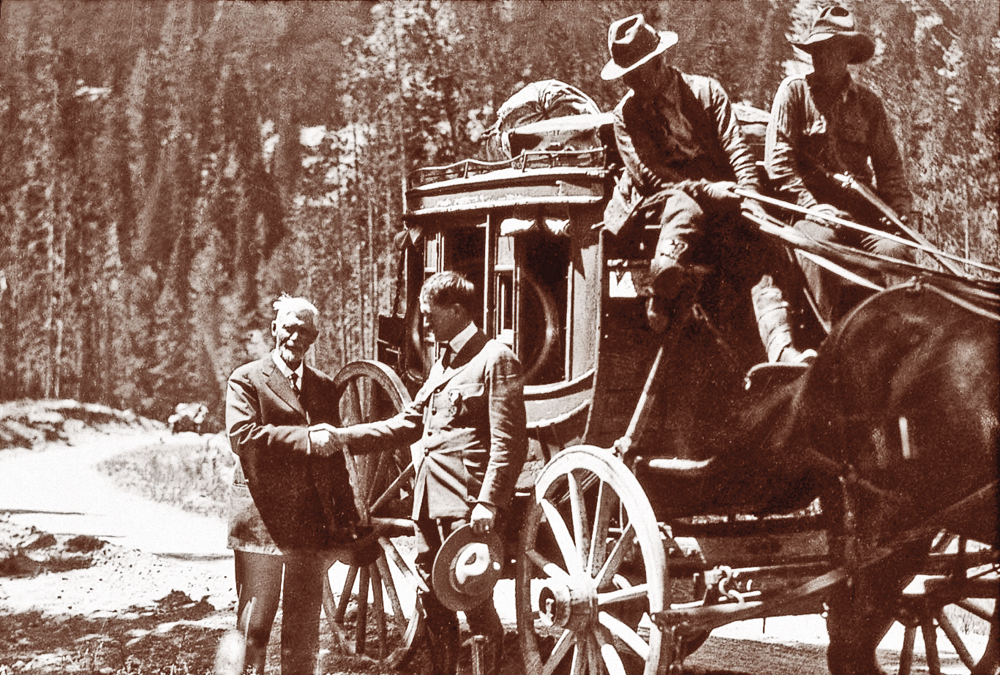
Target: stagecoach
[629,540]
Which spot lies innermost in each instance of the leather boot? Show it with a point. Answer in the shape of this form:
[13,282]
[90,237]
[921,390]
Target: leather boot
[666,279]
[492,656]
[771,311]
[441,632]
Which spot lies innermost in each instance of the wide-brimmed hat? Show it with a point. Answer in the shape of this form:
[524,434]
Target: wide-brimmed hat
[632,42]
[837,22]
[467,568]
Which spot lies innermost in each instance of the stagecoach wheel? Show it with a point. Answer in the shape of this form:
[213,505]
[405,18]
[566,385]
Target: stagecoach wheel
[370,600]
[950,620]
[591,571]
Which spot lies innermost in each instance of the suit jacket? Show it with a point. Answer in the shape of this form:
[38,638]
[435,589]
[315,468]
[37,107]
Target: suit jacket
[305,501]
[470,429]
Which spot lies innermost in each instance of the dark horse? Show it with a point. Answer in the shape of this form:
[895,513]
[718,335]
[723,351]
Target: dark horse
[901,410]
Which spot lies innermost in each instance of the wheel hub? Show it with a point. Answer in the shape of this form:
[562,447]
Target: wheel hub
[570,604]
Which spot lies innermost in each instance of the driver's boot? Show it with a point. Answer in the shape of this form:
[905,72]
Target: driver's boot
[666,279]
[771,310]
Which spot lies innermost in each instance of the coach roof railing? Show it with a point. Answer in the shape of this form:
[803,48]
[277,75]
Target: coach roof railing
[534,159]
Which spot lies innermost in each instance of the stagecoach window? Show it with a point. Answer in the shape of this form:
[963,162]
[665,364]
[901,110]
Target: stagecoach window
[505,304]
[505,308]
[430,256]
[525,267]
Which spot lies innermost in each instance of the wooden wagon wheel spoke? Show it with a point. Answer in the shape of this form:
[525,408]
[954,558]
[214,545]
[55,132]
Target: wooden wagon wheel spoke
[609,656]
[563,538]
[562,647]
[381,630]
[625,634]
[405,478]
[339,637]
[580,663]
[407,571]
[975,610]
[385,577]
[345,593]
[906,655]
[579,511]
[955,639]
[353,399]
[550,569]
[362,625]
[930,644]
[594,657]
[622,595]
[614,560]
[598,541]
[374,470]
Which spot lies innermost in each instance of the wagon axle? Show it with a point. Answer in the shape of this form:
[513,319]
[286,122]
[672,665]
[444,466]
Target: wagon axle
[569,602]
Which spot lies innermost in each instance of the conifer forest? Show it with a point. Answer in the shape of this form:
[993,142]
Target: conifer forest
[169,167]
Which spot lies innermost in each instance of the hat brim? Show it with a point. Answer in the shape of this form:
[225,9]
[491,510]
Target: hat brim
[612,71]
[863,47]
[461,598]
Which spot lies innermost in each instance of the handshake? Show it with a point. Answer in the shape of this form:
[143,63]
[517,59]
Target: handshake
[324,439]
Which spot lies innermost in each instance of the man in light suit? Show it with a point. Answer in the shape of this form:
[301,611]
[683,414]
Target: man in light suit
[469,424]
[287,505]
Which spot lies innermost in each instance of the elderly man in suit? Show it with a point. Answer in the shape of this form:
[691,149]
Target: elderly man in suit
[287,505]
[469,423]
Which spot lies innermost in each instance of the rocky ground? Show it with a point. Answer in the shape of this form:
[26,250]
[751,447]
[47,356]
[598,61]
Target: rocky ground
[76,604]
[95,578]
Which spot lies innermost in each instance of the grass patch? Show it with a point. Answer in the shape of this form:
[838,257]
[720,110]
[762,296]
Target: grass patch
[194,475]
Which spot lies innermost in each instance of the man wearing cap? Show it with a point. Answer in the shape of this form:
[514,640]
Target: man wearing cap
[684,152]
[825,123]
[468,427]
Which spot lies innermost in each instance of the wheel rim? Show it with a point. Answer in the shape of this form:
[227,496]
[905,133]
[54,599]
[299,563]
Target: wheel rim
[370,599]
[949,622]
[577,601]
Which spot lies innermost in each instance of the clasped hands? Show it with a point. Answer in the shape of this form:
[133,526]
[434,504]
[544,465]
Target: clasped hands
[325,439]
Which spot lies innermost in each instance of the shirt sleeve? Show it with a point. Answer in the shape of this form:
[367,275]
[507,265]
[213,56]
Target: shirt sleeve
[890,177]
[405,428]
[783,143]
[731,138]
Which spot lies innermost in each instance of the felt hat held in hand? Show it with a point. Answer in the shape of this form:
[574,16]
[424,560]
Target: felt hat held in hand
[467,568]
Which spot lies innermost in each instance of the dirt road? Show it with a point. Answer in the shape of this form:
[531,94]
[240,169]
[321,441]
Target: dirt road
[159,549]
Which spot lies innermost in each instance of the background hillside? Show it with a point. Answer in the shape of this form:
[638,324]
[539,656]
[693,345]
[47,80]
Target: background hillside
[168,167]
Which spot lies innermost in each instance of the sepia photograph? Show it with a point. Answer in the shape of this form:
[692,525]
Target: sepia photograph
[499,337]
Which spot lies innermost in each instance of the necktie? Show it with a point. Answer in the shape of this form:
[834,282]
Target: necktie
[447,356]
[294,379]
